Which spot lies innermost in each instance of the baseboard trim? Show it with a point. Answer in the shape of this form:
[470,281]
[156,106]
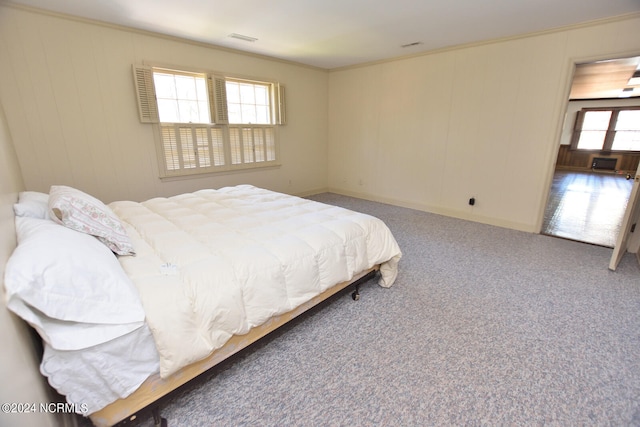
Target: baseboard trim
[437,210]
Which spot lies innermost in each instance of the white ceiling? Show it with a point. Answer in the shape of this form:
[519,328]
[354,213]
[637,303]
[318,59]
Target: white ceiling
[337,33]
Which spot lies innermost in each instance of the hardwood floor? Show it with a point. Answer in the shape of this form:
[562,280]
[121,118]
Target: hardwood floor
[586,206]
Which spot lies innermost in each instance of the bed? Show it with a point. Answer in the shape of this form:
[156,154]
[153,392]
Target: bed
[185,282]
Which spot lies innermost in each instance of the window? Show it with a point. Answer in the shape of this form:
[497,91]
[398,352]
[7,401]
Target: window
[181,98]
[627,130]
[248,102]
[209,123]
[607,129]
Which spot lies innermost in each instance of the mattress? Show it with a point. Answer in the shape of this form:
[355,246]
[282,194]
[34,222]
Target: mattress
[215,263]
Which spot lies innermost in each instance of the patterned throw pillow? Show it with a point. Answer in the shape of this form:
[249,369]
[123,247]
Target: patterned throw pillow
[81,212]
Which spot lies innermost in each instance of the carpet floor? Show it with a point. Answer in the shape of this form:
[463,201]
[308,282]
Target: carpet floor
[485,326]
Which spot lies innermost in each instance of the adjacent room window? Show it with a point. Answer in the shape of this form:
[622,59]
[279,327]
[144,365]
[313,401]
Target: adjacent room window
[607,129]
[210,123]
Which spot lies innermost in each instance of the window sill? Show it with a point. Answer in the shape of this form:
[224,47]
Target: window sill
[226,171]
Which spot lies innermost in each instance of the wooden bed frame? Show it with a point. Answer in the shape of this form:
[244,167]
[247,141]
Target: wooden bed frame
[146,397]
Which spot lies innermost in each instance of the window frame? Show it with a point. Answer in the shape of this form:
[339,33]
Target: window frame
[261,156]
[607,144]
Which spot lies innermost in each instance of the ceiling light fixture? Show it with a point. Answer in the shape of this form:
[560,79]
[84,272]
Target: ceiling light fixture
[626,92]
[635,79]
[243,38]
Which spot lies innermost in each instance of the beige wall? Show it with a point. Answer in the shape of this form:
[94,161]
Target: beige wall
[480,121]
[21,379]
[67,89]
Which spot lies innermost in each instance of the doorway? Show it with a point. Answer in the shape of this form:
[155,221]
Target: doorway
[586,201]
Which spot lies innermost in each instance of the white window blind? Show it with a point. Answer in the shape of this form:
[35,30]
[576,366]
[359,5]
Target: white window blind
[627,131]
[194,147]
[252,144]
[594,130]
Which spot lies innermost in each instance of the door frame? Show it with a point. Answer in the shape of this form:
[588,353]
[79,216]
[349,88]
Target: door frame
[562,122]
[628,222]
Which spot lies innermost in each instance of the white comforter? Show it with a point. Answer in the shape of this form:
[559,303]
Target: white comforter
[215,263]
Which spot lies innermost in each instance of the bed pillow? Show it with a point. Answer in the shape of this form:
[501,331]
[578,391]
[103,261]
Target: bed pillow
[32,204]
[57,276]
[82,212]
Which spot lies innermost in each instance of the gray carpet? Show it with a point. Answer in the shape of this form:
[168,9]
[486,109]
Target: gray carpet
[485,326]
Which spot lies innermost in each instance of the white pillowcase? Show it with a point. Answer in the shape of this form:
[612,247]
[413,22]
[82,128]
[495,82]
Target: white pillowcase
[57,278]
[32,204]
[82,212]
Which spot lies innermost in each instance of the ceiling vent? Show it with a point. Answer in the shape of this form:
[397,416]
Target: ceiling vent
[411,44]
[243,38]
